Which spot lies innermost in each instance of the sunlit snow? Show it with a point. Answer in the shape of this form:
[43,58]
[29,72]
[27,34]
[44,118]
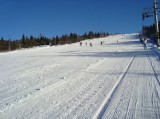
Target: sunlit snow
[111,81]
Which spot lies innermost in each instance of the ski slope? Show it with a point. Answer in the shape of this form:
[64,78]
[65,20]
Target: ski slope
[109,81]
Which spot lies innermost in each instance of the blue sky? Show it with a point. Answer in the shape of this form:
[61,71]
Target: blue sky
[58,17]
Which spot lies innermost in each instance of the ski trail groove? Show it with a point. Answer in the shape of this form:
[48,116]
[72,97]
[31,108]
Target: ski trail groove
[155,73]
[106,101]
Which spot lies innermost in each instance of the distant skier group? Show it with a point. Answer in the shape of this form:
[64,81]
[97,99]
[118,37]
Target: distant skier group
[80,43]
[90,43]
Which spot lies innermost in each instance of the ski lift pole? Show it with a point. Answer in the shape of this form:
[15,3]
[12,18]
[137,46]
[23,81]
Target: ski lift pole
[156,23]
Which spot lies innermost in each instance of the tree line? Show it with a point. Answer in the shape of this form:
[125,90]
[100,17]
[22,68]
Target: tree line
[149,31]
[31,41]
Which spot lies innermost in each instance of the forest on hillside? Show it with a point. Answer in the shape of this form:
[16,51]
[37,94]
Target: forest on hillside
[31,41]
[149,31]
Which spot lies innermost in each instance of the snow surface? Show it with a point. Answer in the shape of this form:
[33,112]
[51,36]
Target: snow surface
[109,81]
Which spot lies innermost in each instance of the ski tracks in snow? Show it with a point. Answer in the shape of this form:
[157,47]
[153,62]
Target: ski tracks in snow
[136,96]
[70,86]
[98,85]
[107,100]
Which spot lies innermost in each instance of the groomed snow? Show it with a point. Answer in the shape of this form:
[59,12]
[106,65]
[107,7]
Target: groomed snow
[109,81]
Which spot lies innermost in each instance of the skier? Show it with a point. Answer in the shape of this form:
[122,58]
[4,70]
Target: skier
[80,43]
[145,43]
[101,43]
[90,44]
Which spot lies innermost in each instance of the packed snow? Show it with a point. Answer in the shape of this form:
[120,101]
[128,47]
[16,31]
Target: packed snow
[116,80]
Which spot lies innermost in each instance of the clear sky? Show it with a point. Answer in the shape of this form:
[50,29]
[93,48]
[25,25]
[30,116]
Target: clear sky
[58,17]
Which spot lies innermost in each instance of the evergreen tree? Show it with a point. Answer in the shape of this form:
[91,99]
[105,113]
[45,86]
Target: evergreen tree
[23,41]
[2,39]
[90,35]
[57,40]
